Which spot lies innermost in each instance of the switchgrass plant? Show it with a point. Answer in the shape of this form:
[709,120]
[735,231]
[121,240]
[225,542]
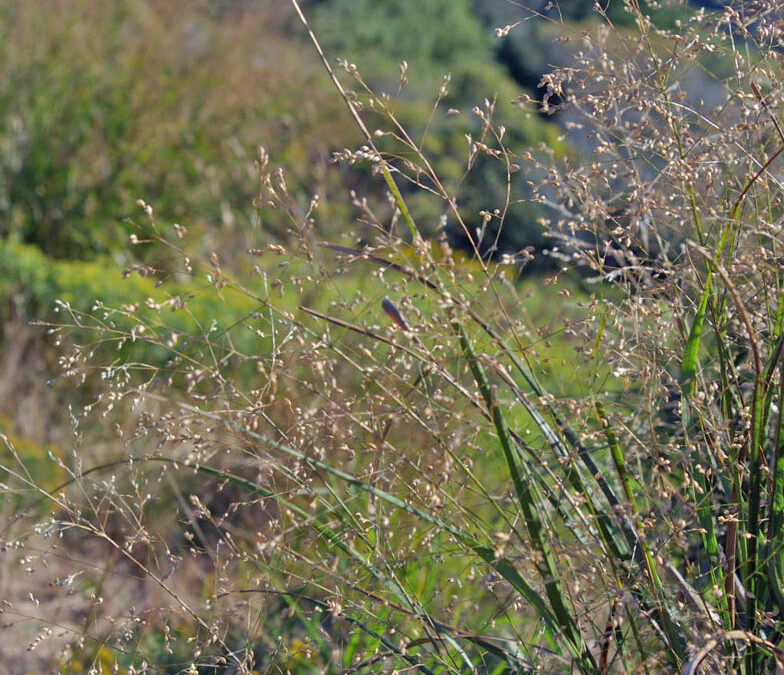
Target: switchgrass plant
[413,468]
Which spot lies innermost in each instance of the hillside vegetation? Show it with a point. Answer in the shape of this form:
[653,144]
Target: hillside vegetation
[457,350]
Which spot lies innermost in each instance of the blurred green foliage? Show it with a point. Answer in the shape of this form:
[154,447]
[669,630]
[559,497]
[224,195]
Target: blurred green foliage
[102,104]
[437,38]
[434,37]
[24,462]
[182,314]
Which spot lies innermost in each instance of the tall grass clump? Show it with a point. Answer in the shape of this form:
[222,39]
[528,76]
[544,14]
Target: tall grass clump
[404,457]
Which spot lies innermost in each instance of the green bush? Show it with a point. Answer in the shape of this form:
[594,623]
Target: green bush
[102,104]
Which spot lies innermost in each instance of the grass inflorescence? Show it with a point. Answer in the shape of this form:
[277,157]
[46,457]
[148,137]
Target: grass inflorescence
[377,453]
